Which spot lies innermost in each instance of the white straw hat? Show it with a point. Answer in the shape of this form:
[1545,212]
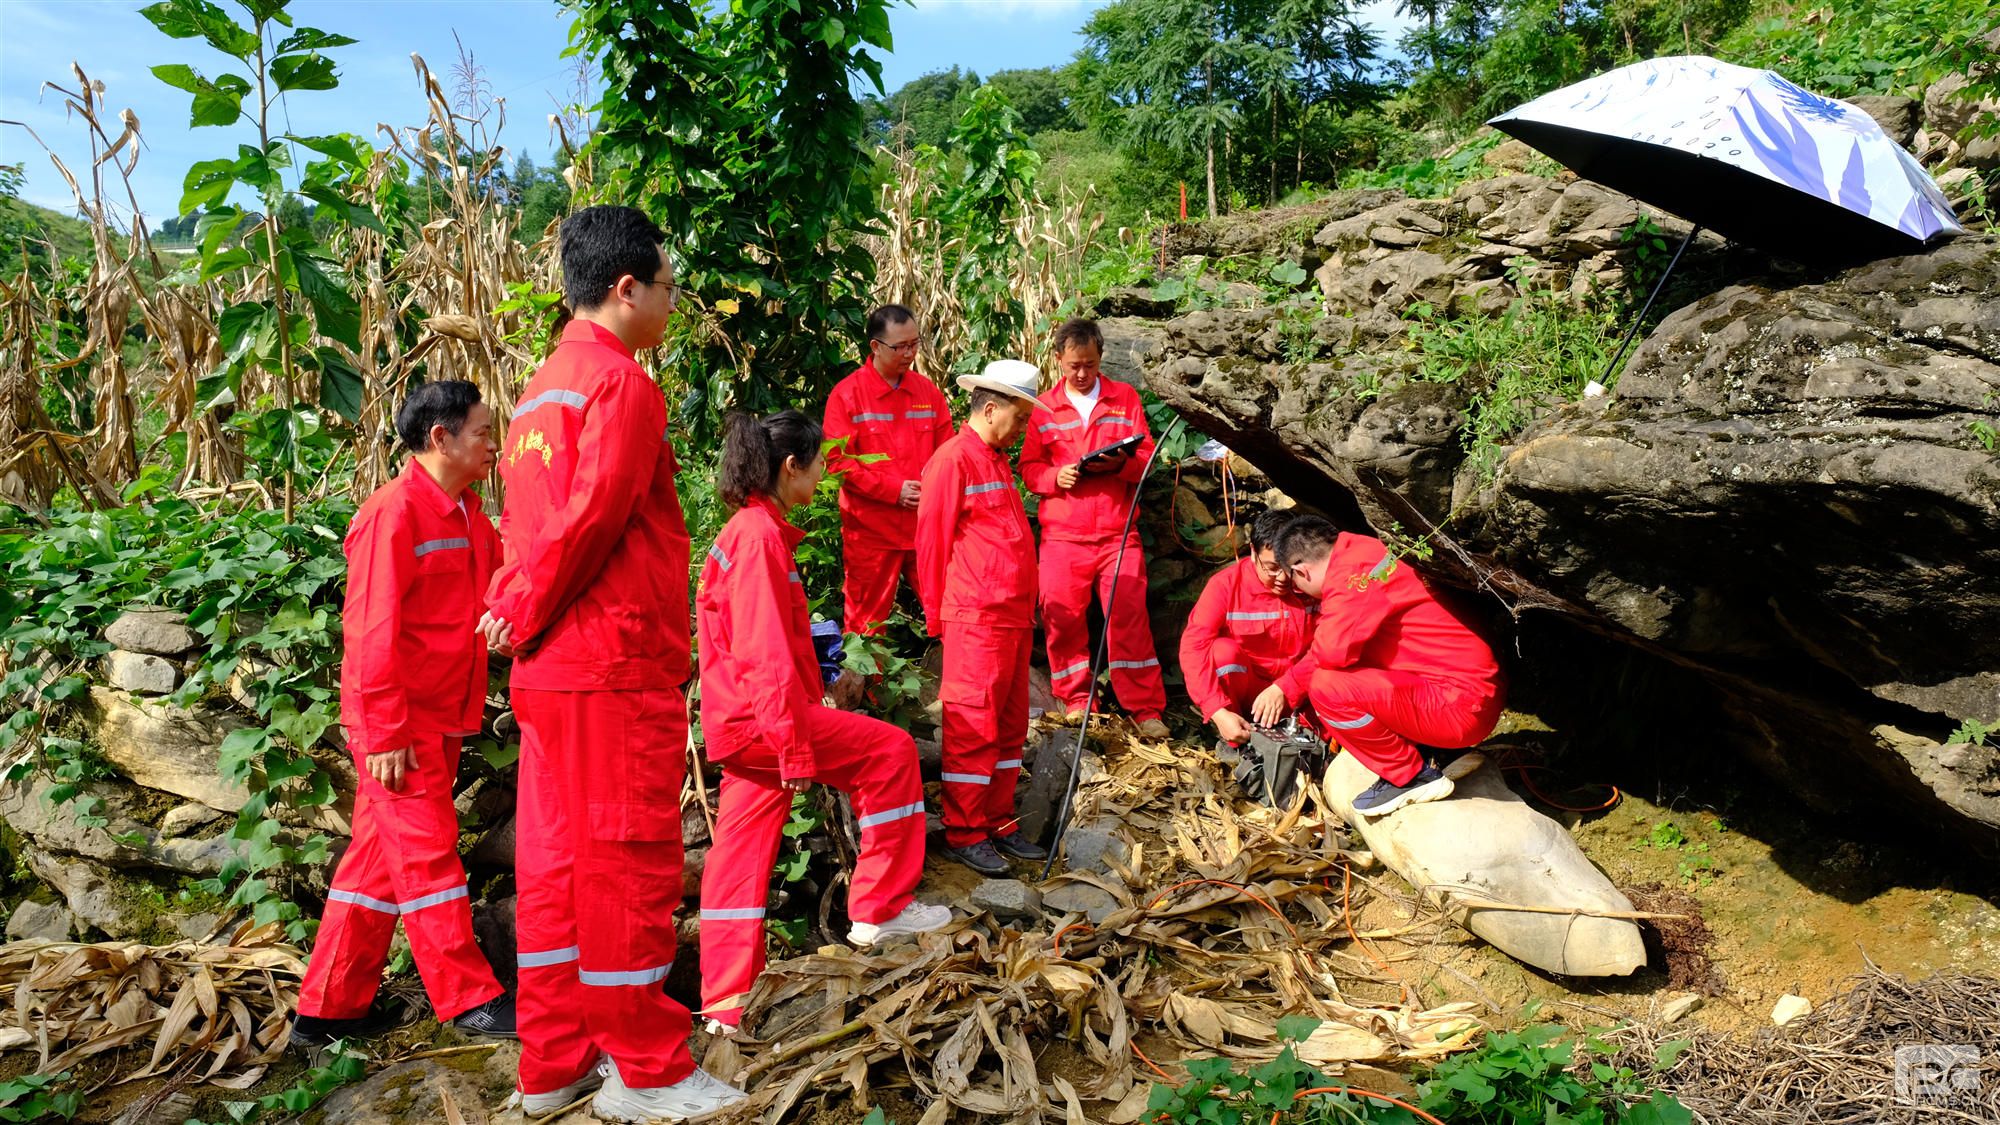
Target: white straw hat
[1011,377]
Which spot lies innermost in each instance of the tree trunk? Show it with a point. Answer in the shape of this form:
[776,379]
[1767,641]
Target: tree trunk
[1274,150]
[1208,141]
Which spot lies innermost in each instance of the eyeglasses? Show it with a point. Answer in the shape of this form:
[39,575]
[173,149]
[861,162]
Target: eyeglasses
[906,348]
[673,288]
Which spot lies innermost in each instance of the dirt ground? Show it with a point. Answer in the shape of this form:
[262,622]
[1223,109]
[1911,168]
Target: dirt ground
[1791,902]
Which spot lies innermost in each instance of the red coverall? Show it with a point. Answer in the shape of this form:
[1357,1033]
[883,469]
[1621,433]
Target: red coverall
[1241,639]
[1080,544]
[903,424]
[595,587]
[1395,666]
[763,722]
[413,675]
[976,578]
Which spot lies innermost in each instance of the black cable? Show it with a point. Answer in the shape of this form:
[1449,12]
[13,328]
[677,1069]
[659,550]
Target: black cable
[1103,648]
[1647,307]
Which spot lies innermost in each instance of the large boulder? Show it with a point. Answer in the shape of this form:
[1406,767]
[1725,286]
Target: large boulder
[1793,491]
[107,821]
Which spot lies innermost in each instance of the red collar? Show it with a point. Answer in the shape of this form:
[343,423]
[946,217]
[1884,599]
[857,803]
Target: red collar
[418,479]
[791,531]
[581,331]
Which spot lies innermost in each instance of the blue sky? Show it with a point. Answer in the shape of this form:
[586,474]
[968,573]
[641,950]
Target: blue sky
[516,43]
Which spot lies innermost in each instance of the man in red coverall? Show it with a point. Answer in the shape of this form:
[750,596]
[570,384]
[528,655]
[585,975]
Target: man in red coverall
[412,684]
[976,578]
[888,412]
[593,597]
[1244,652]
[1083,519]
[1394,666]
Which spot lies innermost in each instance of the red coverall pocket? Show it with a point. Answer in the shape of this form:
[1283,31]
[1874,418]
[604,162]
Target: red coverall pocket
[635,822]
[429,753]
[972,688]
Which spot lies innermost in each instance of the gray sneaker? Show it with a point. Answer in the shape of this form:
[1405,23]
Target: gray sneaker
[698,1093]
[542,1105]
[982,857]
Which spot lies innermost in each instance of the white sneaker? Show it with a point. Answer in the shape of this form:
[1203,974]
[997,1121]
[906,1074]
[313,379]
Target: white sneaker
[698,1093]
[916,918]
[542,1105]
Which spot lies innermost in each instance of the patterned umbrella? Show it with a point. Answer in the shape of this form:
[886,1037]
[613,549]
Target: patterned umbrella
[1745,153]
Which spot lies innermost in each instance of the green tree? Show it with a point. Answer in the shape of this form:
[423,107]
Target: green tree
[1036,95]
[737,130]
[303,288]
[923,111]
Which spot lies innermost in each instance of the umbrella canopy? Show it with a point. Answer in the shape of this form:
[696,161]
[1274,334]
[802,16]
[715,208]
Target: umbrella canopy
[1745,153]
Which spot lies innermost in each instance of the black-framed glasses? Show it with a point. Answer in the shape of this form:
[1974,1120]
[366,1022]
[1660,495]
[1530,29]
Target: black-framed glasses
[906,348]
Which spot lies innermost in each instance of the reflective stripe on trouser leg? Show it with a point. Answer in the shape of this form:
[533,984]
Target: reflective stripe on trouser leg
[1135,662]
[1011,732]
[736,881]
[1381,716]
[875,764]
[1067,574]
[610,765]
[868,583]
[412,871]
[978,700]
[354,936]
[1240,682]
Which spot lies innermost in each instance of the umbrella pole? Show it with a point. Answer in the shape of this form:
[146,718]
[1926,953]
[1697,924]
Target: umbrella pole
[1648,306]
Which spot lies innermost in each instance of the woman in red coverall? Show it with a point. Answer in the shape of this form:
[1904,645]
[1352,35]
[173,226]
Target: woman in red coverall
[765,725]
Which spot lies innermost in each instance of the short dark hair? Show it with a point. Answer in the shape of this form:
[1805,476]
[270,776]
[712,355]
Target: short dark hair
[1265,528]
[445,402]
[880,320]
[601,244]
[983,395]
[1307,537]
[754,450]
[1078,331]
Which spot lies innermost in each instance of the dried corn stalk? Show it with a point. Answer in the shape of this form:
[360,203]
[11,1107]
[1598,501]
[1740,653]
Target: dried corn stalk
[211,1013]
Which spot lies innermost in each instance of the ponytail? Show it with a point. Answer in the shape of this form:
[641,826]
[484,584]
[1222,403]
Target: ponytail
[754,452]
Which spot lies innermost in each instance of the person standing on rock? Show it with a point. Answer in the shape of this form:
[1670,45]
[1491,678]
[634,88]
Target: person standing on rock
[1394,668]
[1086,495]
[1246,650]
[412,685]
[764,724]
[886,420]
[976,579]
[593,598]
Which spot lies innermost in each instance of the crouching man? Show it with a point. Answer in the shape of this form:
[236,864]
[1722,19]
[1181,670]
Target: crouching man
[412,685]
[1395,669]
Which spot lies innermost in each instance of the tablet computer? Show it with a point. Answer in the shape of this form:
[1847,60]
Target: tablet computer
[1122,445]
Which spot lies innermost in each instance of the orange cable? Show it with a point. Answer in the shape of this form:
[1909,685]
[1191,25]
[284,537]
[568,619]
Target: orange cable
[1149,1062]
[1055,943]
[1358,1092]
[1238,887]
[1524,769]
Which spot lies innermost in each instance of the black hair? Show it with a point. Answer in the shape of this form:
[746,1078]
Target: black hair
[443,403]
[880,320]
[1076,332]
[1307,537]
[1264,529]
[754,450]
[601,244]
[983,395]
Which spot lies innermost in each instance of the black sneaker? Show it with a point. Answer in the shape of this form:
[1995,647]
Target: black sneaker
[982,857]
[493,1019]
[311,1033]
[1382,797]
[1017,844]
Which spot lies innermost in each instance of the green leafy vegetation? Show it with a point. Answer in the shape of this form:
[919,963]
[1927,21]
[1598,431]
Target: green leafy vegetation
[1536,1075]
[38,1097]
[262,593]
